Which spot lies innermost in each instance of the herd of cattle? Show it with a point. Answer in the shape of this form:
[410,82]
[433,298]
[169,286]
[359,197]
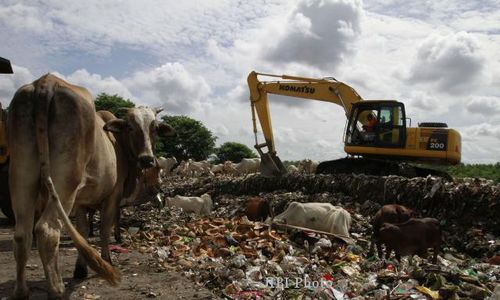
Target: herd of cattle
[190,168]
[92,161]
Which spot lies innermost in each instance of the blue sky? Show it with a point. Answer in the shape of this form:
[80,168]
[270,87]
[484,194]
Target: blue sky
[192,57]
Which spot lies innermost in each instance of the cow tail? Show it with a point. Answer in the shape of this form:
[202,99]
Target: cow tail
[44,92]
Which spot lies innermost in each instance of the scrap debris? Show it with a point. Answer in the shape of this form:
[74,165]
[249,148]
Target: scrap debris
[240,259]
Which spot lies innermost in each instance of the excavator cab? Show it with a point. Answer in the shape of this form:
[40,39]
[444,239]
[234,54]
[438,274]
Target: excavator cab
[380,124]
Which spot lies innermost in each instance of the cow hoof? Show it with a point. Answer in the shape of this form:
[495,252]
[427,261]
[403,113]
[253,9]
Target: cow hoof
[108,260]
[81,272]
[21,294]
[118,238]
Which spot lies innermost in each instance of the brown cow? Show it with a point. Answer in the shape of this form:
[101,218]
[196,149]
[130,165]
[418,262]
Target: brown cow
[147,189]
[257,209]
[85,161]
[412,237]
[389,213]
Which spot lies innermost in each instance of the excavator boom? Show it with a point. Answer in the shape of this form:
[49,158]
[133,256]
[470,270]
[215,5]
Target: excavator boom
[328,90]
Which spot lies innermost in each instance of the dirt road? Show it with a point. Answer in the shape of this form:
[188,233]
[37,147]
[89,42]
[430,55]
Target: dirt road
[139,277]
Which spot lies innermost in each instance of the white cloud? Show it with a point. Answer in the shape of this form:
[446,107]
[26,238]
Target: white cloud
[424,101]
[9,83]
[483,130]
[318,33]
[486,106]
[447,62]
[25,18]
[170,86]
[155,26]
[238,93]
[97,84]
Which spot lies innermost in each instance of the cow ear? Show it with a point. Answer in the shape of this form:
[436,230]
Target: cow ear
[122,112]
[116,125]
[157,110]
[166,130]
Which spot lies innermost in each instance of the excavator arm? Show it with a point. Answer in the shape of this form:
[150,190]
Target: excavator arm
[328,90]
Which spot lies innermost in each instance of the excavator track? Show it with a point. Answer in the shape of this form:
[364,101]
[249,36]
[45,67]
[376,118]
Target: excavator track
[377,167]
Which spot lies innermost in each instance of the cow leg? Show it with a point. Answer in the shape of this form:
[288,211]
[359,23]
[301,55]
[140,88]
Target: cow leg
[371,251]
[81,270]
[24,190]
[398,256]
[48,231]
[380,253]
[118,234]
[435,254]
[108,213]
[22,200]
[106,225]
[91,214]
[48,228]
[423,253]
[387,252]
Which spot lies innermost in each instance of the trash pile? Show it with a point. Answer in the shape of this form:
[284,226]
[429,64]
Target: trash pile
[462,204]
[240,259]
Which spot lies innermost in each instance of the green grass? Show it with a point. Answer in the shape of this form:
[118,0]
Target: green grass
[488,171]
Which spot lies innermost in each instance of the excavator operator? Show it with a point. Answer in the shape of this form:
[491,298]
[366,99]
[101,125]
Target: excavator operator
[369,128]
[371,123]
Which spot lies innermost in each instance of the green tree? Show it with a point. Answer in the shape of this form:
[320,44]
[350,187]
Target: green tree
[193,139]
[112,103]
[234,152]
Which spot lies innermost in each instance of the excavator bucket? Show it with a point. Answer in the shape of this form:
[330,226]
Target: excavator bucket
[271,165]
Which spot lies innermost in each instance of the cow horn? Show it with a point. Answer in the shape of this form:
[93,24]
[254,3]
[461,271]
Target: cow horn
[122,111]
[158,110]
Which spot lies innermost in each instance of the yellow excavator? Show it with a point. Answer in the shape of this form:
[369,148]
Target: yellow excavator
[5,206]
[376,138]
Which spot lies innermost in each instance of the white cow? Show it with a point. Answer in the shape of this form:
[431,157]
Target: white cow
[198,168]
[308,166]
[166,164]
[217,169]
[248,166]
[317,216]
[181,169]
[292,169]
[200,205]
[229,168]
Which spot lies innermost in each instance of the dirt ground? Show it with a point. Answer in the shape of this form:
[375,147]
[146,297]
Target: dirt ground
[139,279]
